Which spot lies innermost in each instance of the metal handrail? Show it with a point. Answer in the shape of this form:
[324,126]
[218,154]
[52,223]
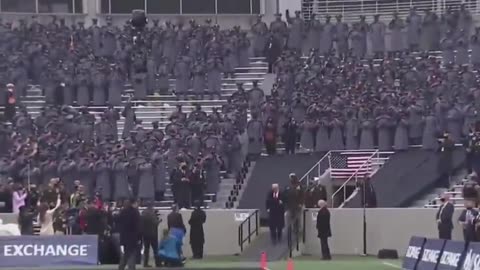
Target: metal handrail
[241,239]
[327,155]
[368,162]
[353,9]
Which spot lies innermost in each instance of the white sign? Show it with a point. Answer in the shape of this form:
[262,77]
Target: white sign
[240,217]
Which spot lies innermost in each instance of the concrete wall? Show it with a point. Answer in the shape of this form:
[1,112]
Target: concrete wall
[8,218]
[389,228]
[221,230]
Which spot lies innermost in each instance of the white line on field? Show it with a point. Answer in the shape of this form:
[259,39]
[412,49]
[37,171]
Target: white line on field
[392,265]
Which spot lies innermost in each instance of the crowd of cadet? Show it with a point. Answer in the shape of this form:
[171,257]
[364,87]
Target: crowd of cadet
[336,98]
[342,97]
[70,144]
[79,65]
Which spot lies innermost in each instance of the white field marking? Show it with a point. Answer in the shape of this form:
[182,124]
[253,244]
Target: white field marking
[392,265]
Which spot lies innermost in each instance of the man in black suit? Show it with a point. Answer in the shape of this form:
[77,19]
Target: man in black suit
[180,179]
[175,219]
[323,228]
[276,212]
[130,234]
[444,218]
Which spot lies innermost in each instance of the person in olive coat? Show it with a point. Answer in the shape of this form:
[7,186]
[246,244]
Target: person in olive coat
[197,236]
[323,229]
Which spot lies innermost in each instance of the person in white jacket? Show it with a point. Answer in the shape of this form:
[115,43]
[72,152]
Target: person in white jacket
[45,217]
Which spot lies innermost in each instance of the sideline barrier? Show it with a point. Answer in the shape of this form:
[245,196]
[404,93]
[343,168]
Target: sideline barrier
[436,254]
[41,251]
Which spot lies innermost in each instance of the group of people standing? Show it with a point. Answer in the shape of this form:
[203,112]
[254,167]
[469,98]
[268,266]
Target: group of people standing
[417,32]
[285,207]
[135,228]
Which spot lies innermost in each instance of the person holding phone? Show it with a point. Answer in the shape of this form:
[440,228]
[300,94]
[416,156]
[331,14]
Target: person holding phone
[45,216]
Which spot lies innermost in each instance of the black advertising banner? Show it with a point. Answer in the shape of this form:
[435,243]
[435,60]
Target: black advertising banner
[472,257]
[432,251]
[414,252]
[451,257]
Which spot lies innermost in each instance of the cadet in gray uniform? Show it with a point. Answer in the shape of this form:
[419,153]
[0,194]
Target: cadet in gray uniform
[430,36]
[314,33]
[396,37]
[328,35]
[377,36]
[255,136]
[462,56]
[297,31]
[356,41]
[279,29]
[214,75]
[475,47]
[182,76]
[199,83]
[341,37]
[448,49]
[414,28]
[260,36]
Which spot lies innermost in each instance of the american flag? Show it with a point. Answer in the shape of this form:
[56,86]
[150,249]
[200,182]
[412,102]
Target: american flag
[347,165]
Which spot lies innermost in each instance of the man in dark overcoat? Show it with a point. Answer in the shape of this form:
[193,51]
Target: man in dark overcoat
[276,213]
[130,234]
[323,229]
[149,221]
[197,236]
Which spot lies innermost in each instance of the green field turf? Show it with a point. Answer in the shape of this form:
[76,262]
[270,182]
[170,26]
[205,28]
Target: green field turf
[308,263]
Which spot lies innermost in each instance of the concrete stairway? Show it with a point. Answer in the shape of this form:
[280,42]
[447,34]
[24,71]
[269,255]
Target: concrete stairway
[432,200]
[263,244]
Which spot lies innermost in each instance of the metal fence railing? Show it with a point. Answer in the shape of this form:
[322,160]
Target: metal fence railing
[251,230]
[317,170]
[366,169]
[352,9]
